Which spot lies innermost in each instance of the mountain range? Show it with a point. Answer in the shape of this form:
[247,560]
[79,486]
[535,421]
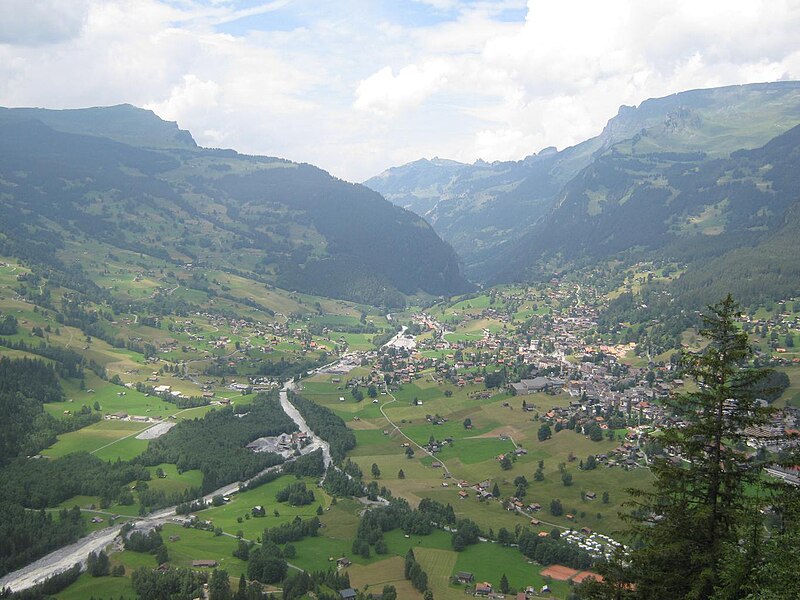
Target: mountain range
[704,180]
[694,177]
[122,177]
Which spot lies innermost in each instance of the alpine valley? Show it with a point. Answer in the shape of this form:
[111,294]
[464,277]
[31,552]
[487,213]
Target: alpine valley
[705,177]
[574,376]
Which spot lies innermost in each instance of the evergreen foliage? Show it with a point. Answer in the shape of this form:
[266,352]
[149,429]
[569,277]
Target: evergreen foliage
[295,494]
[267,564]
[699,508]
[293,531]
[327,425]
[216,443]
[27,534]
[700,531]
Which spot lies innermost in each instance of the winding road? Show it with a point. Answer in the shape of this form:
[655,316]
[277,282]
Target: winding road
[64,558]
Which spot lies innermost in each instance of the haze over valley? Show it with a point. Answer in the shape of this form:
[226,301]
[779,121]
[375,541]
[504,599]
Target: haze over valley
[547,348]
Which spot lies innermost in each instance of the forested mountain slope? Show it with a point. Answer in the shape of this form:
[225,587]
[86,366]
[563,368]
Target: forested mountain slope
[122,176]
[732,222]
[483,208]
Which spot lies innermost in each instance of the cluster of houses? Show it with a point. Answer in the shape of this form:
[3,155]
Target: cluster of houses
[778,328]
[484,589]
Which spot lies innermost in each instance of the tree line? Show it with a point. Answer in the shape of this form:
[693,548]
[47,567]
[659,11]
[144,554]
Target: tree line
[215,444]
[327,425]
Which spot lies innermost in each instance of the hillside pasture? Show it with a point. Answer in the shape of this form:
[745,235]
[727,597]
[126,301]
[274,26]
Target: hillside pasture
[97,587]
[241,504]
[389,571]
[100,436]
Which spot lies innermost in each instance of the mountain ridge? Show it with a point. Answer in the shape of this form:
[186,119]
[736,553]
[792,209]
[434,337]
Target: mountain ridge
[122,122]
[287,223]
[483,207]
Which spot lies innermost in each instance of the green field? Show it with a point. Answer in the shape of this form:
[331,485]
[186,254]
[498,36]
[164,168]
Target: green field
[489,562]
[791,396]
[108,439]
[174,481]
[98,587]
[241,504]
[193,544]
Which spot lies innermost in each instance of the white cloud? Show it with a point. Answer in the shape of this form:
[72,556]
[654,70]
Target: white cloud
[41,22]
[386,93]
[190,96]
[356,87]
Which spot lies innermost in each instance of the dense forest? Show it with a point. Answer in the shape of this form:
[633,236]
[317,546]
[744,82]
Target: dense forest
[29,534]
[327,425]
[37,484]
[25,385]
[216,443]
[732,221]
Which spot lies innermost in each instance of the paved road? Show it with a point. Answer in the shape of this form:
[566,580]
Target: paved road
[64,558]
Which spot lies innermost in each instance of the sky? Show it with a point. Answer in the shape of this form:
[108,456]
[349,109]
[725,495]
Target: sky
[357,86]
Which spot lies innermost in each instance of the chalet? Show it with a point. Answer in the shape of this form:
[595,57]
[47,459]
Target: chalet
[591,495]
[204,563]
[465,577]
[343,563]
[462,494]
[348,594]
[483,589]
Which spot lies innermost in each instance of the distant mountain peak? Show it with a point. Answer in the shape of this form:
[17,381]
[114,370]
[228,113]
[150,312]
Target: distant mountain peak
[483,207]
[121,122]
